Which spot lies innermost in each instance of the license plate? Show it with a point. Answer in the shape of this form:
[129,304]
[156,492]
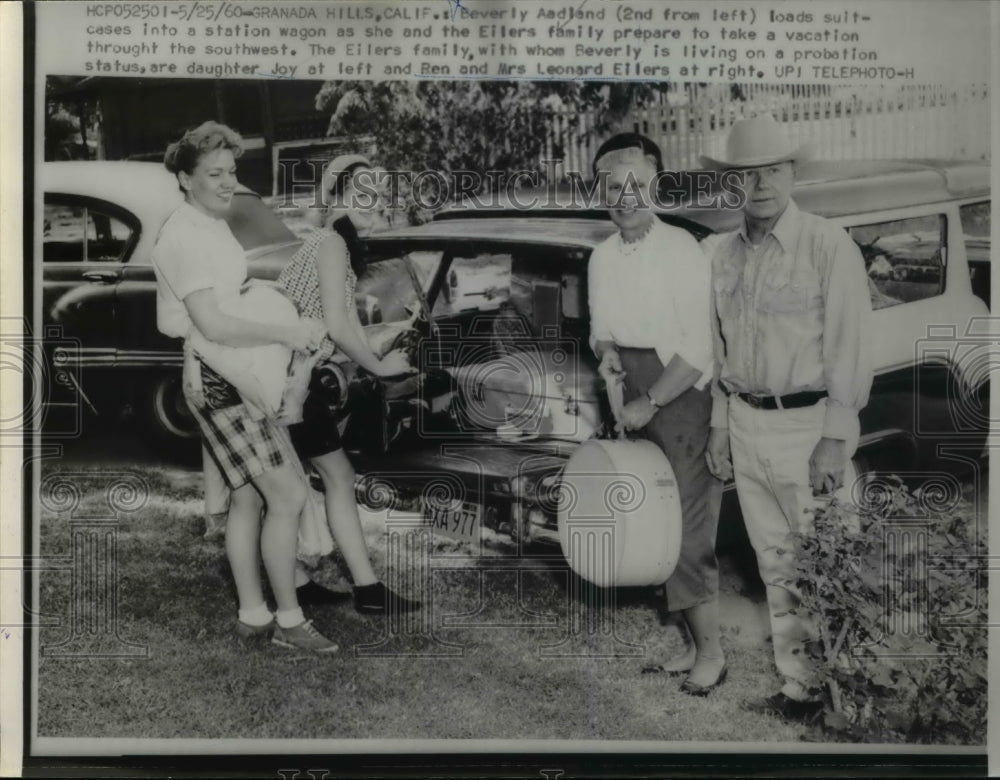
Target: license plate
[459,519]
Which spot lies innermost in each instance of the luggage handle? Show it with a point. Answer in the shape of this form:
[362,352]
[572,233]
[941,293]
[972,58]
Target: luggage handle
[616,399]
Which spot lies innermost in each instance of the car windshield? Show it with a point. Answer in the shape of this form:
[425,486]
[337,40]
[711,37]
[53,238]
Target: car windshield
[388,287]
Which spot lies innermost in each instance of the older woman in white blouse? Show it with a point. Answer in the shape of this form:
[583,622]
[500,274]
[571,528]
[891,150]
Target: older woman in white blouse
[649,288]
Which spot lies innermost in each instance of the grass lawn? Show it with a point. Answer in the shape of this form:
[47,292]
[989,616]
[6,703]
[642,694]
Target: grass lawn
[497,653]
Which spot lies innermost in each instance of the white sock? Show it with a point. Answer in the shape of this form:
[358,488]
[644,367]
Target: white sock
[301,578]
[257,616]
[289,618]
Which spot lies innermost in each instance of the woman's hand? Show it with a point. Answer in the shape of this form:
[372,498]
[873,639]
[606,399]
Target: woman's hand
[395,363]
[194,391]
[305,335]
[610,367]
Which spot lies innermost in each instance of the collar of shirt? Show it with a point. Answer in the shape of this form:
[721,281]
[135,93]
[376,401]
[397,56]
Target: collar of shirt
[784,231]
[198,217]
[642,247]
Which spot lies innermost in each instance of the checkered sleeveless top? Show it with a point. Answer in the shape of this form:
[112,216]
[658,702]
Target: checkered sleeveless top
[300,279]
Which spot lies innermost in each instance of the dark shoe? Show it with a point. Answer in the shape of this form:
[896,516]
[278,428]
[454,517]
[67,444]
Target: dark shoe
[792,709]
[314,593]
[692,688]
[377,599]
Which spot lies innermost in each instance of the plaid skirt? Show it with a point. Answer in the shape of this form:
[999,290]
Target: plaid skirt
[243,448]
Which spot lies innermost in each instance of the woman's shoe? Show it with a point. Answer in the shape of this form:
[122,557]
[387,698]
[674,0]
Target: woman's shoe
[680,664]
[304,636]
[247,631]
[314,593]
[377,599]
[692,688]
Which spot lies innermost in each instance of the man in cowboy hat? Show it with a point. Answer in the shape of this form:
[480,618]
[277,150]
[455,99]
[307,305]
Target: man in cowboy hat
[791,310]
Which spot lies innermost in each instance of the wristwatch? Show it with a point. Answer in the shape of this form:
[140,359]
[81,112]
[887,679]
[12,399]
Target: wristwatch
[653,401]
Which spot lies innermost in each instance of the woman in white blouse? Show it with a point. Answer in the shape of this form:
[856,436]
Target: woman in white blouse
[649,290]
[200,270]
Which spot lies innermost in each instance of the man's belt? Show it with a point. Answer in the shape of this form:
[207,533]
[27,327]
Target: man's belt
[790,401]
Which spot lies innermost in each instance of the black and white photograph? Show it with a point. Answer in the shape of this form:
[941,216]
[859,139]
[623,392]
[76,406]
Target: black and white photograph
[505,410]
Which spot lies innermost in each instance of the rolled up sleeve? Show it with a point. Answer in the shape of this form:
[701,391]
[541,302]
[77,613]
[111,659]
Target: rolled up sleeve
[847,357]
[694,341]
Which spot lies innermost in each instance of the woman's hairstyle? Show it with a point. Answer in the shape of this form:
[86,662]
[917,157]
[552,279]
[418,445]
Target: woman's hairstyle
[356,248]
[339,182]
[333,182]
[339,171]
[614,149]
[183,155]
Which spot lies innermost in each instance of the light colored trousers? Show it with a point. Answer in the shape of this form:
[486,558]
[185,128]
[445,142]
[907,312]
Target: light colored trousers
[770,452]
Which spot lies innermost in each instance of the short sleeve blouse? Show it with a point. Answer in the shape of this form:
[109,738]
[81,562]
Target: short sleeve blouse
[194,252]
[300,279]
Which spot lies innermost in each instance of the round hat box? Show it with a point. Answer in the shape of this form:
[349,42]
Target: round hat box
[620,513]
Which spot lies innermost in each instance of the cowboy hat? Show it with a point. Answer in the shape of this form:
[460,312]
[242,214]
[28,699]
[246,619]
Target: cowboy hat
[755,142]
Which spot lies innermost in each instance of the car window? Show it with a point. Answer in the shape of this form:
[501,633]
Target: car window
[478,282]
[904,258]
[975,218]
[79,233]
[386,291]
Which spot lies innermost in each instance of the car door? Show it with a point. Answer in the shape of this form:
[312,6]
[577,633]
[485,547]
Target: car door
[923,307]
[391,300]
[85,243]
[516,320]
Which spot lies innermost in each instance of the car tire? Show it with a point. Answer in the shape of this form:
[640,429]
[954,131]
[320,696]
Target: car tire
[168,420]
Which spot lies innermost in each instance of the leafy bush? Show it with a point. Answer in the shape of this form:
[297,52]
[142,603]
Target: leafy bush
[898,588]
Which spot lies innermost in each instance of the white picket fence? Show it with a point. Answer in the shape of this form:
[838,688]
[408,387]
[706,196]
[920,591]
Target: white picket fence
[842,123]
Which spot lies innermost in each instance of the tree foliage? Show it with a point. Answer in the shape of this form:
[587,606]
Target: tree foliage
[71,122]
[898,590]
[447,126]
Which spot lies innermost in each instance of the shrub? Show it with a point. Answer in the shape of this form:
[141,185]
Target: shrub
[898,588]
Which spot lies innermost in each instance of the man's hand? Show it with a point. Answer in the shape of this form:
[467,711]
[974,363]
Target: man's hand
[826,466]
[717,453]
[635,415]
